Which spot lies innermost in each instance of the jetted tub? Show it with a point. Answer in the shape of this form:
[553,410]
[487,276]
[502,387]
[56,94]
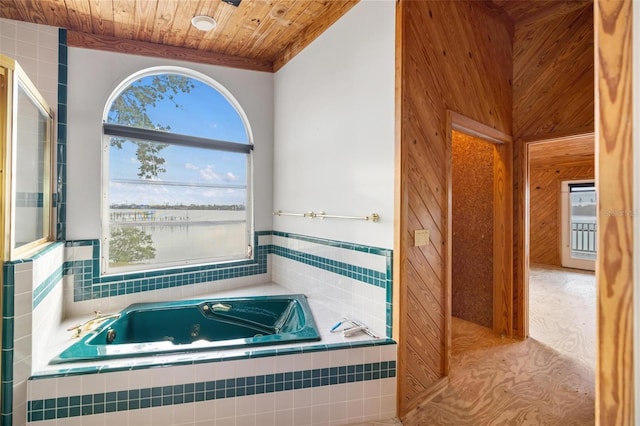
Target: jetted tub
[196,325]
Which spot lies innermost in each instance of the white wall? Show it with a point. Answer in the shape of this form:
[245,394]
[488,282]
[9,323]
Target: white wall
[92,78]
[334,129]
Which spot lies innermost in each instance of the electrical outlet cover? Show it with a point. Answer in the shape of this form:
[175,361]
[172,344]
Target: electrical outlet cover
[421,237]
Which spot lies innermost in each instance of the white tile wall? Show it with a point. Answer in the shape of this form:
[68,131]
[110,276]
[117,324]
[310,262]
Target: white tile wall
[353,257]
[35,47]
[48,314]
[326,405]
[29,328]
[351,298]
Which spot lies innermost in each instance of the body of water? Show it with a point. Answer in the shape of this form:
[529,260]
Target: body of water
[193,235]
[583,219]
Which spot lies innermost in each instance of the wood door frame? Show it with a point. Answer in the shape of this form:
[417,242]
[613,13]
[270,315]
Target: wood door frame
[503,223]
[521,287]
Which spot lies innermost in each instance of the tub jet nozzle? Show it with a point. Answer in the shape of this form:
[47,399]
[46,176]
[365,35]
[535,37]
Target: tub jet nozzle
[221,307]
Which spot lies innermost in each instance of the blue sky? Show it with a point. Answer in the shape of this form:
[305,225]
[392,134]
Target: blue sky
[193,176]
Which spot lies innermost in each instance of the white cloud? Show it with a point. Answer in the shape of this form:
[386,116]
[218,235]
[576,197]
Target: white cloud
[211,193]
[231,176]
[210,175]
[190,166]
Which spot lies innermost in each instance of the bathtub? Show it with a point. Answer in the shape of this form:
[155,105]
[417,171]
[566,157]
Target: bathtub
[196,325]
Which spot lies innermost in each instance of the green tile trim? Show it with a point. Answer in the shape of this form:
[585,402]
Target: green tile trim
[6,366]
[149,397]
[60,194]
[215,358]
[43,289]
[89,284]
[332,243]
[48,248]
[369,276]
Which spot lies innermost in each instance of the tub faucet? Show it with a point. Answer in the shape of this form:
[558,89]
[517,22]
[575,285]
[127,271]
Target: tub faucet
[80,329]
[356,327]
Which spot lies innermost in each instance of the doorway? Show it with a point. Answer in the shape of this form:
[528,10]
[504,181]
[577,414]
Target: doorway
[560,204]
[484,224]
[473,205]
[547,162]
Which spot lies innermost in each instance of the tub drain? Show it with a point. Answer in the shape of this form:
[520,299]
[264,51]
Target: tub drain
[195,330]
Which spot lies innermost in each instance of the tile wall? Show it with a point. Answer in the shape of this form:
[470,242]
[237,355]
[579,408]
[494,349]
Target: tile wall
[257,389]
[353,280]
[32,296]
[324,387]
[87,290]
[35,47]
[27,283]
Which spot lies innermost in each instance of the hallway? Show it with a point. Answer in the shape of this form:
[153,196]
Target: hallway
[503,381]
[562,311]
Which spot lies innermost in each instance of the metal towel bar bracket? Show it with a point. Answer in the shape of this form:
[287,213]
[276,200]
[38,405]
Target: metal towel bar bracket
[373,217]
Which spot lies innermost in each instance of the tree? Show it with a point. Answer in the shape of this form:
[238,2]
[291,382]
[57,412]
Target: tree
[130,109]
[130,245]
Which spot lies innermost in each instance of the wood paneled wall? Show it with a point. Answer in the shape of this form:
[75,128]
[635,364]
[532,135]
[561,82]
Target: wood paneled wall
[544,193]
[451,55]
[553,94]
[553,75]
[472,229]
[614,265]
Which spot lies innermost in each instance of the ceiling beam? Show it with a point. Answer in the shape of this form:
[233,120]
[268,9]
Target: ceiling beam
[142,48]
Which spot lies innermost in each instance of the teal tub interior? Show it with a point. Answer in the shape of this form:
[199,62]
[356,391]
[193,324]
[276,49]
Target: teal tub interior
[196,325]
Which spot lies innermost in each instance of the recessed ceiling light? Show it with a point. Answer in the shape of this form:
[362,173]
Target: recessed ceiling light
[203,23]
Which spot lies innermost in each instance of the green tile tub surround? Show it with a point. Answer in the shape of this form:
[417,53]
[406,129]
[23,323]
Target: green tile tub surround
[209,358]
[90,284]
[149,397]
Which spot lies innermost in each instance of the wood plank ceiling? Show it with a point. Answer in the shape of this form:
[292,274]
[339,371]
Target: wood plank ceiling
[570,152]
[257,34]
[527,12]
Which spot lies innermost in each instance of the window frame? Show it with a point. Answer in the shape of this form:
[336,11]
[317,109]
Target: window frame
[566,259]
[110,130]
[16,79]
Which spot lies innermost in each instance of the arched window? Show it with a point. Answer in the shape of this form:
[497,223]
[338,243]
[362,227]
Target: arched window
[176,173]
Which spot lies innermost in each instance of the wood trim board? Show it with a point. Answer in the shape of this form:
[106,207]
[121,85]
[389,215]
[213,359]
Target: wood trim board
[614,183]
[143,48]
